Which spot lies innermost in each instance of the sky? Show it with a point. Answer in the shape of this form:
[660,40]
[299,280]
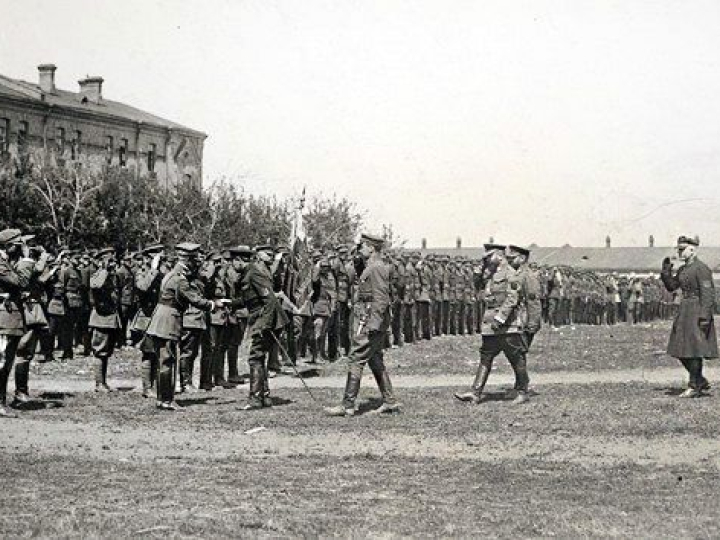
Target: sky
[539,121]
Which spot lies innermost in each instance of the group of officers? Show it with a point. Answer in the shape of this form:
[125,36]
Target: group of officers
[178,305]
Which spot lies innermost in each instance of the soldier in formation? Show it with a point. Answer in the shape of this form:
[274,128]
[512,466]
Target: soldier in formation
[188,311]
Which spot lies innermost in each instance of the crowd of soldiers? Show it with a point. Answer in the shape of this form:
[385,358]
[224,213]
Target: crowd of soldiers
[185,306]
[572,296]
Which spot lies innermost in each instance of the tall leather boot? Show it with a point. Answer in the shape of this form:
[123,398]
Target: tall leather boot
[232,360]
[389,404]
[22,380]
[255,397]
[478,385]
[352,389]
[148,374]
[101,366]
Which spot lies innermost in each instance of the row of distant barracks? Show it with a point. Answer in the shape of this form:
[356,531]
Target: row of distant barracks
[640,261]
[44,123]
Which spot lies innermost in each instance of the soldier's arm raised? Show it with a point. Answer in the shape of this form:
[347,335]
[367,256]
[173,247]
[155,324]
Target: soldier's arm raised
[669,279]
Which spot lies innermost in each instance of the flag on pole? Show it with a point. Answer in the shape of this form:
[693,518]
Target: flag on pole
[301,263]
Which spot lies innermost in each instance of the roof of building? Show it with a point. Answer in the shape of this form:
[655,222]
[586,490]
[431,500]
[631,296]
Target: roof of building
[600,259]
[73,101]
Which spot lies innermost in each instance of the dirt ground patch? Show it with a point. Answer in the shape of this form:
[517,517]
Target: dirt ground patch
[605,458]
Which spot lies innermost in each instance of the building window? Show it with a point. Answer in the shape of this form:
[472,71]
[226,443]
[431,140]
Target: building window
[4,135]
[122,152]
[75,147]
[60,139]
[109,143]
[22,136]
[151,156]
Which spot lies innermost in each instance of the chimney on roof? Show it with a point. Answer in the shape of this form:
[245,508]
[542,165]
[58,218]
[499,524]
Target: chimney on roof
[46,78]
[423,243]
[458,243]
[651,241]
[91,88]
[608,242]
[697,239]
[491,240]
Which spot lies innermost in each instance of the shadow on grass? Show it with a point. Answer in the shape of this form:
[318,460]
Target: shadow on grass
[39,405]
[56,395]
[311,373]
[280,402]
[195,401]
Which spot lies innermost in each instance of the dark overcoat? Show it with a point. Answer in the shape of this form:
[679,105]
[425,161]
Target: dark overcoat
[687,338]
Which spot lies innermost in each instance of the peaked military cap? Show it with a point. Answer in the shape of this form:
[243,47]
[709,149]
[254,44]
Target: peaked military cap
[188,248]
[687,240]
[519,250]
[105,252]
[491,247]
[265,247]
[215,256]
[241,251]
[8,236]
[27,237]
[372,239]
[155,248]
[341,248]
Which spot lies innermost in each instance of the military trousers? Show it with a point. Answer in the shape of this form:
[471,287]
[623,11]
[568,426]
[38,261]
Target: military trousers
[423,319]
[398,319]
[333,338]
[190,341]
[445,325]
[320,330]
[127,314]
[262,342]
[8,351]
[437,317]
[367,348]
[408,322]
[344,326]
[212,359]
[515,348]
[167,354]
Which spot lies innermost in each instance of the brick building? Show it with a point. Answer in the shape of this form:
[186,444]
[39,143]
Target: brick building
[62,128]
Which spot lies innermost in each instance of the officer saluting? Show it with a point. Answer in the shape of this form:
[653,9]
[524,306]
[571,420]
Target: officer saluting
[166,323]
[693,336]
[371,318]
[504,323]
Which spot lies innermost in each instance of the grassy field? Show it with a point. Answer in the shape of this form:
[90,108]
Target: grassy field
[580,348]
[581,460]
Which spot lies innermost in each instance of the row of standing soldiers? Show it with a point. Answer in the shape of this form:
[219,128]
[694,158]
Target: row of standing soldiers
[572,296]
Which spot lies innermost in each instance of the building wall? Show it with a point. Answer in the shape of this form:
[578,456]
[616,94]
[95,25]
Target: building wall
[96,142]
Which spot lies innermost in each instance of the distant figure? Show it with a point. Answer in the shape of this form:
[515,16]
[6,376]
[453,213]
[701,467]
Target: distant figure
[693,337]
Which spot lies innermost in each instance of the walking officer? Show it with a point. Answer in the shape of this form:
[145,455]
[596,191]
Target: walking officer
[371,318]
[504,323]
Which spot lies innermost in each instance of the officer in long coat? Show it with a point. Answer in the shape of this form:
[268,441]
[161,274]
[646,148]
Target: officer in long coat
[165,326]
[371,319]
[693,337]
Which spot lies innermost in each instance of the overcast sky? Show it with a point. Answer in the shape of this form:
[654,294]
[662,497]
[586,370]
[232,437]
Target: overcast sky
[540,121]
